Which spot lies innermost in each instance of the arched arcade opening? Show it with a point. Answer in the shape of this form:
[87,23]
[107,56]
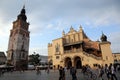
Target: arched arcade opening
[68,62]
[77,62]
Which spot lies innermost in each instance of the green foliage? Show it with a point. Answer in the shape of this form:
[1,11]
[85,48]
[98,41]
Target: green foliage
[34,59]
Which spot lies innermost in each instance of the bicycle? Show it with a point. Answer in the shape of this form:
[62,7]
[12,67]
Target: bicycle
[90,75]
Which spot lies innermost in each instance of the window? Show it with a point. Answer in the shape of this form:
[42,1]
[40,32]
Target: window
[71,40]
[106,57]
[57,47]
[57,57]
[95,65]
[115,60]
[23,55]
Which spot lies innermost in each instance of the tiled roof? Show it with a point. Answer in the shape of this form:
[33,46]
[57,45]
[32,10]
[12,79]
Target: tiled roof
[92,44]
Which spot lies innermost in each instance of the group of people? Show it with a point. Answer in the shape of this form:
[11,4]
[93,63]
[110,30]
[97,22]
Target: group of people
[61,73]
[38,70]
[109,71]
[62,70]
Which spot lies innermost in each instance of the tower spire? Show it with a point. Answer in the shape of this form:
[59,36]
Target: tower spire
[63,33]
[103,37]
[22,15]
[24,6]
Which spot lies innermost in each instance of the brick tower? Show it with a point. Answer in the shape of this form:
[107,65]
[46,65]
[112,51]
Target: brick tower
[18,47]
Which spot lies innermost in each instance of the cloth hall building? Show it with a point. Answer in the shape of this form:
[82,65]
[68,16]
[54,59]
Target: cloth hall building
[76,49]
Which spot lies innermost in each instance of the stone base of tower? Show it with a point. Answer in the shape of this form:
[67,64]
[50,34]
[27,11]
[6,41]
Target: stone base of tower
[21,65]
[18,65]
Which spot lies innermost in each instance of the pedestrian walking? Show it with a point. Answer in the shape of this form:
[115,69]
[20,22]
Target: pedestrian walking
[101,72]
[1,71]
[48,70]
[61,73]
[54,68]
[38,71]
[65,68]
[118,68]
[112,70]
[73,73]
[107,71]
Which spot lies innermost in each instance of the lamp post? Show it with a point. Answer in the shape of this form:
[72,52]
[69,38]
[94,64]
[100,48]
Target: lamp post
[39,58]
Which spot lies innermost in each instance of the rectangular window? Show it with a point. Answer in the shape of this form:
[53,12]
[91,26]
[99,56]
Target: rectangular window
[57,57]
[106,57]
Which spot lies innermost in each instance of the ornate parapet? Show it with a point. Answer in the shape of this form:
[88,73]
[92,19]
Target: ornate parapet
[49,44]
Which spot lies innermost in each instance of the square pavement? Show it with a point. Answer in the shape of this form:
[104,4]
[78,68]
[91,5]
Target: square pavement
[53,75]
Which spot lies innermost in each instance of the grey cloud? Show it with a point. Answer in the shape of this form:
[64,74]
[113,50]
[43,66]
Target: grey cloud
[69,11]
[74,12]
[115,40]
[60,14]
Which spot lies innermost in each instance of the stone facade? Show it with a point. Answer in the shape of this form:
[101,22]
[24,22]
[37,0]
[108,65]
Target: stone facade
[76,49]
[116,57]
[18,47]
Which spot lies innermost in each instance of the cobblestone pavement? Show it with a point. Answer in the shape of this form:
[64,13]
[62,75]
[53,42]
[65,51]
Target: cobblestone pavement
[53,75]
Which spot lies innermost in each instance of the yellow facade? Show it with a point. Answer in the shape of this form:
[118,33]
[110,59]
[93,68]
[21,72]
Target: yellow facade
[116,57]
[76,49]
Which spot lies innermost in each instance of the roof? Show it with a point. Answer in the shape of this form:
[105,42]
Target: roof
[92,44]
[116,53]
[2,54]
[80,42]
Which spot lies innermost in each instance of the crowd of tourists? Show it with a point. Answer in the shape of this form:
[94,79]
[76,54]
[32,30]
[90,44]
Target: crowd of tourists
[62,71]
[108,71]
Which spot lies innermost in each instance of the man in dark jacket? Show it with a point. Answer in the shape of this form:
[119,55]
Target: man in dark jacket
[61,73]
[73,73]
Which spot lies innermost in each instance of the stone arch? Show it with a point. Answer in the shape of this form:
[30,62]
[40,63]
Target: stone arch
[68,62]
[77,62]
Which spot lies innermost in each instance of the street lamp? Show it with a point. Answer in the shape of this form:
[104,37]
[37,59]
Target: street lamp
[39,60]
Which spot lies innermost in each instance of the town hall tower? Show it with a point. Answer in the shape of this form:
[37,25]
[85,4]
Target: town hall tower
[18,47]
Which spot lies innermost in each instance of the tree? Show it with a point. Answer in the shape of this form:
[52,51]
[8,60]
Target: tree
[34,59]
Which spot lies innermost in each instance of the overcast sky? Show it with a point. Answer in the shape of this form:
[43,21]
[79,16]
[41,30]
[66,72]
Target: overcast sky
[48,18]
